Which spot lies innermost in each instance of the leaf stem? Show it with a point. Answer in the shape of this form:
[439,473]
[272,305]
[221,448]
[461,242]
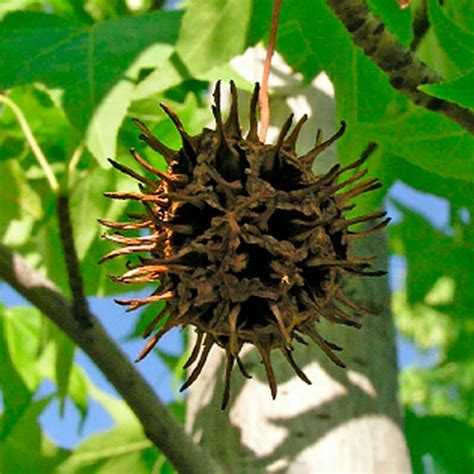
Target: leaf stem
[30,138]
[263,95]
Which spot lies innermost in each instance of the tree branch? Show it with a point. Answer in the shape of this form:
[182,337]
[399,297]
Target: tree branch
[80,307]
[403,69]
[158,423]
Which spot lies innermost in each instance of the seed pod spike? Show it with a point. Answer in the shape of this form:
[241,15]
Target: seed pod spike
[148,348]
[227,168]
[267,363]
[252,135]
[124,225]
[152,324]
[167,153]
[227,378]
[283,329]
[242,242]
[233,339]
[364,187]
[242,368]
[347,182]
[126,251]
[323,344]
[345,223]
[135,303]
[283,132]
[164,176]
[289,357]
[207,346]
[290,142]
[216,108]
[232,125]
[195,351]
[347,316]
[350,304]
[126,170]
[187,140]
[272,162]
[319,138]
[364,233]
[309,158]
[371,147]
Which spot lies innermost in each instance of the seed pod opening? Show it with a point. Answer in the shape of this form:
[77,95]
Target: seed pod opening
[249,246]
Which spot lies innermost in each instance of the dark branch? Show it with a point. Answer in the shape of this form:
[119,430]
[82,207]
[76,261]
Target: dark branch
[80,307]
[403,69]
[158,423]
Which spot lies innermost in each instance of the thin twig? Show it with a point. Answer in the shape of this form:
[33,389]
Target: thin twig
[405,71]
[263,95]
[158,423]
[421,25]
[30,138]
[80,307]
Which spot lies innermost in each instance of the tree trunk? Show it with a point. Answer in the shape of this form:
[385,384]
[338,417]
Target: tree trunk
[348,420]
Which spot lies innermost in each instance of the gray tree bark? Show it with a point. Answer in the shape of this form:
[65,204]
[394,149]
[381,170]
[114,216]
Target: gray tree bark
[349,419]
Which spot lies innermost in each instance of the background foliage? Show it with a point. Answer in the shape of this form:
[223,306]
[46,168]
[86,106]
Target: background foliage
[80,70]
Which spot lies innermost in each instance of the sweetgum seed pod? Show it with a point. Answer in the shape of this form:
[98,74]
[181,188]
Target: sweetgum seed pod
[247,244]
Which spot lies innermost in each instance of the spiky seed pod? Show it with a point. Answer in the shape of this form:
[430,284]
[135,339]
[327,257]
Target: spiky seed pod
[248,244]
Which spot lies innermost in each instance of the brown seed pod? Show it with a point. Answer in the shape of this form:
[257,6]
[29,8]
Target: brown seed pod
[249,246]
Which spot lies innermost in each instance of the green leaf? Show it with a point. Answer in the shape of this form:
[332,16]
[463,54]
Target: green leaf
[93,65]
[454,190]
[10,5]
[77,391]
[27,449]
[15,392]
[425,139]
[311,39]
[458,90]
[212,32]
[65,351]
[458,43]
[22,326]
[421,244]
[173,72]
[21,205]
[87,204]
[122,449]
[455,456]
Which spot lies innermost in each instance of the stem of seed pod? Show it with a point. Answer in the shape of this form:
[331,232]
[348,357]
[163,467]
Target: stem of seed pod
[30,138]
[263,95]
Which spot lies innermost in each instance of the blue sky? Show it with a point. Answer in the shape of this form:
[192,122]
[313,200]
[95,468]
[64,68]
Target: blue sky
[64,430]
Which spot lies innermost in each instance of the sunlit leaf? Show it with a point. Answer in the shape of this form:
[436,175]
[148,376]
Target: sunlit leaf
[15,393]
[458,43]
[122,449]
[101,68]
[207,27]
[21,205]
[458,90]
[27,449]
[445,444]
